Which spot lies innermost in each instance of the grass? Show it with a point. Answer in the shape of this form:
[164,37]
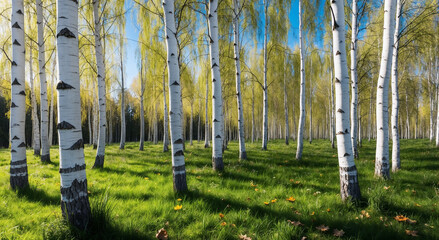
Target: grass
[132,197]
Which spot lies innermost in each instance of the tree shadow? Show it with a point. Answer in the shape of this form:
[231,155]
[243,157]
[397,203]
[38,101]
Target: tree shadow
[37,195]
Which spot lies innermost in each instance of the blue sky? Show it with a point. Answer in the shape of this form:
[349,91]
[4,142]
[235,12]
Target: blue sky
[132,33]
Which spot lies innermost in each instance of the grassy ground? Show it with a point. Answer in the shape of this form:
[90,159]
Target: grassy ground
[138,186]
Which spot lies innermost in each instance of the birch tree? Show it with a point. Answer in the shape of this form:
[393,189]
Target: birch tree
[349,187]
[75,205]
[102,98]
[122,93]
[382,116]
[236,44]
[217,99]
[18,169]
[302,89]
[44,113]
[142,108]
[265,87]
[35,120]
[354,79]
[175,113]
[396,162]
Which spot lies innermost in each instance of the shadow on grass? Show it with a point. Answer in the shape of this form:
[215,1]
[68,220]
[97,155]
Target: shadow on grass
[37,195]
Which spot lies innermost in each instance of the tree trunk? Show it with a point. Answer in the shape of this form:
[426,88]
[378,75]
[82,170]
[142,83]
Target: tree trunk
[217,99]
[396,161]
[191,130]
[241,136]
[52,112]
[74,197]
[302,89]
[253,113]
[18,169]
[354,80]
[156,125]
[310,106]
[142,108]
[332,111]
[45,147]
[165,116]
[178,164]
[35,120]
[206,119]
[102,100]
[287,127]
[122,102]
[382,116]
[265,89]
[199,121]
[349,187]
[90,133]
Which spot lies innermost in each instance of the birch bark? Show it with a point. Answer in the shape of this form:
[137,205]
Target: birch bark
[175,113]
[165,116]
[349,187]
[45,146]
[217,99]
[302,89]
[265,88]
[241,136]
[354,79]
[35,119]
[18,168]
[382,116]
[74,197]
[396,162]
[102,98]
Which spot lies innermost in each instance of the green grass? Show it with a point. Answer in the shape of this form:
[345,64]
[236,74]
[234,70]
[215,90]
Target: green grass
[128,206]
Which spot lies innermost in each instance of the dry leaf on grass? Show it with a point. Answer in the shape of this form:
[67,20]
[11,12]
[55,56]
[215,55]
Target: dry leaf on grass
[322,228]
[162,234]
[338,233]
[244,237]
[412,233]
[295,223]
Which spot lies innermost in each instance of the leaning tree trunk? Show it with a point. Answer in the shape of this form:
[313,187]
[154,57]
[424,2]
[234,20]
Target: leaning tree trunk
[178,165]
[354,80]
[265,89]
[206,119]
[51,118]
[100,61]
[18,170]
[396,162]
[74,196]
[382,116]
[302,89]
[217,99]
[35,120]
[45,146]
[142,108]
[122,102]
[349,187]
[287,126]
[241,136]
[165,116]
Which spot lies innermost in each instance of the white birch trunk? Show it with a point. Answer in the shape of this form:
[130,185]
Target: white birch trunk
[74,197]
[332,111]
[199,121]
[52,99]
[142,108]
[95,117]
[302,89]
[102,98]
[354,79]
[396,162]
[18,168]
[175,113]
[45,150]
[349,187]
[191,126]
[165,116]
[265,89]
[287,126]
[122,102]
[382,107]
[206,119]
[241,136]
[217,99]
[35,119]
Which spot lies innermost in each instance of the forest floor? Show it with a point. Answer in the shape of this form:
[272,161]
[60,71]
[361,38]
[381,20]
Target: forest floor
[132,197]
